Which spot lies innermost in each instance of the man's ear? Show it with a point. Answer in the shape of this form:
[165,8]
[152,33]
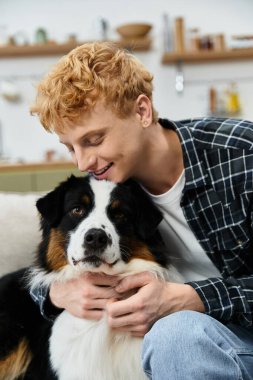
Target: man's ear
[144,110]
[148,216]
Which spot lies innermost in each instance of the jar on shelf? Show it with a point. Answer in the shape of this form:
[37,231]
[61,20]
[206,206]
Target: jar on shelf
[206,42]
[3,35]
[219,42]
[193,39]
[41,36]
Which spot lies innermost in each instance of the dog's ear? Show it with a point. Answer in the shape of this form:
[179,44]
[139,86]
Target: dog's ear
[148,217]
[51,205]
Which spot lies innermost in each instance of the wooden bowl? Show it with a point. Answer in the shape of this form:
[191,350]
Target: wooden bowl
[133,30]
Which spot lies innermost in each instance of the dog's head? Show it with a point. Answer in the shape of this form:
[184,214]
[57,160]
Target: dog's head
[98,225]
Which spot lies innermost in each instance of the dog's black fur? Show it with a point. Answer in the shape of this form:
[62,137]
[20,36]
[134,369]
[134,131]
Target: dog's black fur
[20,317]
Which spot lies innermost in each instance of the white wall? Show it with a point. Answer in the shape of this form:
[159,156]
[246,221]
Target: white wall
[25,139]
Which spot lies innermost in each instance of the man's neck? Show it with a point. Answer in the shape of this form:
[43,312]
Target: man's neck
[165,162]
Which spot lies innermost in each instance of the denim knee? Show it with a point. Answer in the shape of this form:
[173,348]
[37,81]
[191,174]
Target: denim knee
[179,330]
[188,344]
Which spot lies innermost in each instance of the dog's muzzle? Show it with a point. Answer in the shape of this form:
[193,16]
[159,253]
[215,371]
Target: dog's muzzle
[95,244]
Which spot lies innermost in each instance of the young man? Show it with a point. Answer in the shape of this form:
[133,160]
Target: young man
[98,100]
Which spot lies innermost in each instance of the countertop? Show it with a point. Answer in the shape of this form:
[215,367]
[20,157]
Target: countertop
[30,166]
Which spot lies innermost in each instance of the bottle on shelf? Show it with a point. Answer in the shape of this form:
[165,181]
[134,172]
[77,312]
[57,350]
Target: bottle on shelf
[233,106]
[179,35]
[167,34]
[212,101]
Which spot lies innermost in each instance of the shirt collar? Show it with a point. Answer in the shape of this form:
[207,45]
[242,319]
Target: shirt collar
[195,173]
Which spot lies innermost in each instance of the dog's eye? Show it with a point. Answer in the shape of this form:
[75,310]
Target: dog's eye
[77,212]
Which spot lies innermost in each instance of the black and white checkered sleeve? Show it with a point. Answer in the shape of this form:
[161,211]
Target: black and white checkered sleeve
[227,299]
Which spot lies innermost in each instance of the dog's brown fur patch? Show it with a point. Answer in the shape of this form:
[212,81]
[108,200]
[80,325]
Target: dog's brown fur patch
[56,258]
[115,203]
[16,363]
[140,250]
[86,199]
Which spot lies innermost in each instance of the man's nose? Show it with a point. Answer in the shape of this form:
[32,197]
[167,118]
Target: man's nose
[83,162]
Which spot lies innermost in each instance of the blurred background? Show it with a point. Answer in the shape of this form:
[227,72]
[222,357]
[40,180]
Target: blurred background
[199,51]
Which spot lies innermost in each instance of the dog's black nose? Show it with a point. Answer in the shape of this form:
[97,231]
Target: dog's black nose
[95,239]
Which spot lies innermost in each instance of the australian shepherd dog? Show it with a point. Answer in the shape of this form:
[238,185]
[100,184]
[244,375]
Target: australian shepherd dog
[87,225]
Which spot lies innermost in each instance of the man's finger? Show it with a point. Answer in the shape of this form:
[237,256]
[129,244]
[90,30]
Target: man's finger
[134,281]
[123,307]
[138,331]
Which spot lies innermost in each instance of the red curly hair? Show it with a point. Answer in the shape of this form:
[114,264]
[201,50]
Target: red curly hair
[91,72]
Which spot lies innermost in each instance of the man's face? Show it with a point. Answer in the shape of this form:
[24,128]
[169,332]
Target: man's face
[105,145]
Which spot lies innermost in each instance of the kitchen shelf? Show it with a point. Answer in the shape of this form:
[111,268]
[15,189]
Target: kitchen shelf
[135,44]
[207,56]
[49,49]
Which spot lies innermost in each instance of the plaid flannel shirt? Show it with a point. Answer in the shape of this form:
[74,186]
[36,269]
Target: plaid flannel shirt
[217,204]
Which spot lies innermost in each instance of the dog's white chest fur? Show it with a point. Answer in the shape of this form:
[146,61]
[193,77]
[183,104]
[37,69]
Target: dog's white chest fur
[89,350]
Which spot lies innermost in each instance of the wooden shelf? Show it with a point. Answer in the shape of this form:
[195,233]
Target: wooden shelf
[137,44]
[207,56]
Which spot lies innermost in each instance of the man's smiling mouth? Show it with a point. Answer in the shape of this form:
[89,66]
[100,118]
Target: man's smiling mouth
[101,171]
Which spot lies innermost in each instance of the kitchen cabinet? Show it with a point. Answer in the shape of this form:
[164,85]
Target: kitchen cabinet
[35,177]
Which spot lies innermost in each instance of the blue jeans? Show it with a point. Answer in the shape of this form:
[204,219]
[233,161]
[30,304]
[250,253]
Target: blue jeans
[192,346]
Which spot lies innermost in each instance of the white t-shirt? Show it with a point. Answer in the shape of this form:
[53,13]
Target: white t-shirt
[185,252]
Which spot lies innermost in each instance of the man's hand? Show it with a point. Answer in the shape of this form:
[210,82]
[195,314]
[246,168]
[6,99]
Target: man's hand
[154,299]
[86,296]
